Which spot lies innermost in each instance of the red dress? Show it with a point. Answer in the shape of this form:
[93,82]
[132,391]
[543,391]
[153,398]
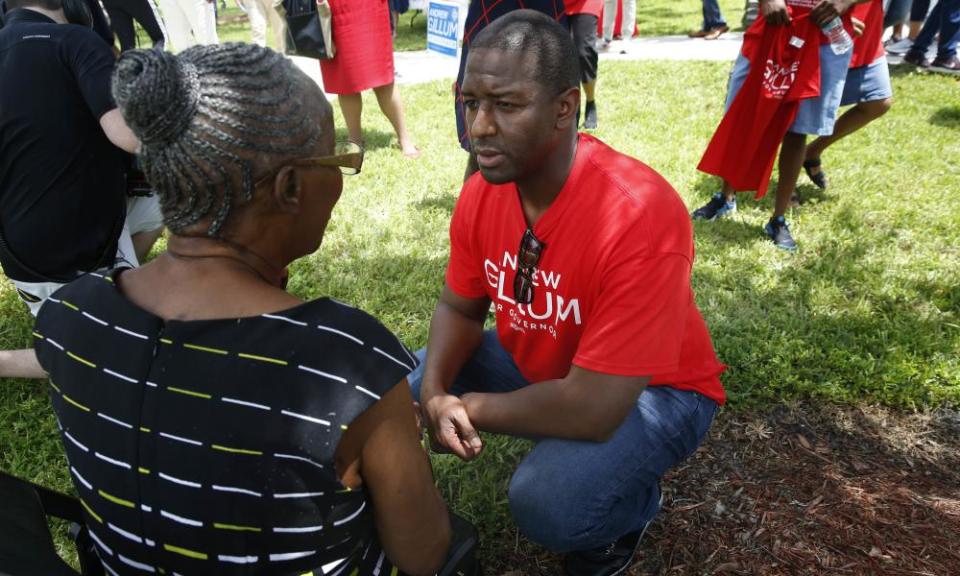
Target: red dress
[364,56]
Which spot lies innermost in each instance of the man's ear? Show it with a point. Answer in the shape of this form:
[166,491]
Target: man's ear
[287,190]
[568,104]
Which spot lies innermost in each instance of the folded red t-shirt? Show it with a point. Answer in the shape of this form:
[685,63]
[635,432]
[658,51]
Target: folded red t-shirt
[784,69]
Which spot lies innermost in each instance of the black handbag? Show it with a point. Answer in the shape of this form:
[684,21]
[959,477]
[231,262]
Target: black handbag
[309,29]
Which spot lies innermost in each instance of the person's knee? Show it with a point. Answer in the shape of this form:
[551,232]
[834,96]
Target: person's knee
[539,513]
[878,108]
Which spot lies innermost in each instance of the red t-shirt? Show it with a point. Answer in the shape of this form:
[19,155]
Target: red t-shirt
[869,46]
[594,7]
[784,69]
[612,288]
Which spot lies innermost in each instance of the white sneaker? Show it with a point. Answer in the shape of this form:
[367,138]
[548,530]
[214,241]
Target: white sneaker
[900,47]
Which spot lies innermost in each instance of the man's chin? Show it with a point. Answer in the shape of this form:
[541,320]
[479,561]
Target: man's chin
[496,176]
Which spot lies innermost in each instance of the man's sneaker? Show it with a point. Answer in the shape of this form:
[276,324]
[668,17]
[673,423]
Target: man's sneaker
[717,207]
[946,65]
[590,116]
[779,231]
[899,47]
[916,58]
[611,560]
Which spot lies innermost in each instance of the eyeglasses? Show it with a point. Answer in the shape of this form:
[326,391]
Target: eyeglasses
[528,256]
[348,157]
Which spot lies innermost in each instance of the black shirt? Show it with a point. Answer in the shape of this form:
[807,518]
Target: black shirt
[62,200]
[207,447]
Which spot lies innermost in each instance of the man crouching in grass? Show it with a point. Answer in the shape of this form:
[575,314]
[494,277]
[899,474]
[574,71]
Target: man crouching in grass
[600,352]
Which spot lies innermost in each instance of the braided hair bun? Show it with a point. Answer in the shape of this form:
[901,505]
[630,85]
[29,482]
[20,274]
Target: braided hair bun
[157,93]
[213,118]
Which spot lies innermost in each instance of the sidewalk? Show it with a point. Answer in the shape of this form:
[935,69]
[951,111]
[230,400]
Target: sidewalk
[423,66]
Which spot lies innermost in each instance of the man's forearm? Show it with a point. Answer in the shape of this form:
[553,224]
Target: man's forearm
[555,409]
[454,337]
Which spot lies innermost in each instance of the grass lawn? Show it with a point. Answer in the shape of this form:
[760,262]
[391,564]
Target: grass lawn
[867,311]
[654,17]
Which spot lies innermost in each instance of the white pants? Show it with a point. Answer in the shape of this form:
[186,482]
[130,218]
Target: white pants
[627,23]
[143,215]
[259,12]
[189,22]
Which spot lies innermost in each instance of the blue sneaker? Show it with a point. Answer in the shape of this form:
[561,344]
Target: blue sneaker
[778,230]
[717,207]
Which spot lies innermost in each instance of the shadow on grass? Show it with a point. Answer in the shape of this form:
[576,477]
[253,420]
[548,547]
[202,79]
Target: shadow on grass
[831,330]
[948,117]
[373,139]
[445,203]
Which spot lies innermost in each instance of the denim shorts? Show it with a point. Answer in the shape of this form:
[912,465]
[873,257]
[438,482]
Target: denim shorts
[816,116]
[867,83]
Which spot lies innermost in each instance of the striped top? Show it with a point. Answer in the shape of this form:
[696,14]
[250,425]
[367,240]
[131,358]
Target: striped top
[207,447]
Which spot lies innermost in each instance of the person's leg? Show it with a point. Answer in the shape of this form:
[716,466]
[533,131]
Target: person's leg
[20,364]
[206,21]
[177,22]
[569,495]
[918,15]
[352,107]
[609,19]
[629,20]
[895,14]
[931,27]
[278,24]
[144,13]
[258,21]
[789,164]
[949,30]
[490,369]
[583,28]
[122,23]
[724,203]
[388,97]
[712,17]
[815,116]
[868,89]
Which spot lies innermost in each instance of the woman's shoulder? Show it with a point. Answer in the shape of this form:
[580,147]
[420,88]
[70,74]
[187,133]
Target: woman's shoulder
[356,331]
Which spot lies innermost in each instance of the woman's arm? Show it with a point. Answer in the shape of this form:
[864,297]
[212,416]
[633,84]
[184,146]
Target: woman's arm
[382,450]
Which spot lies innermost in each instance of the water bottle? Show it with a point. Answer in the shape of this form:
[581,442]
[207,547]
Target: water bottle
[840,41]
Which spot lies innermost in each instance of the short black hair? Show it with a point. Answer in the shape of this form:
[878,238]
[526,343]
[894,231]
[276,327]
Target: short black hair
[45,4]
[532,32]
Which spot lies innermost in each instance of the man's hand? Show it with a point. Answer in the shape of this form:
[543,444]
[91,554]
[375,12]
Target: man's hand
[450,426]
[827,10]
[775,12]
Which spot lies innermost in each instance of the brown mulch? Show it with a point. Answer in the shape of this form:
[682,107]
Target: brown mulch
[804,490]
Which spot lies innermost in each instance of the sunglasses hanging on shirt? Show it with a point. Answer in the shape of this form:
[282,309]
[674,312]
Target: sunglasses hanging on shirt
[528,257]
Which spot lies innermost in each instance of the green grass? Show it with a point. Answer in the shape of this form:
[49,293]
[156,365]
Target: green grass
[655,18]
[868,309]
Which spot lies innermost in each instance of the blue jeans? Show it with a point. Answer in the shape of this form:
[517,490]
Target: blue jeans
[945,19]
[573,495]
[712,18]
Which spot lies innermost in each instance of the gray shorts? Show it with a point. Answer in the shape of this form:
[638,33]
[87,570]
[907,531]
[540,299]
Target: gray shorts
[143,215]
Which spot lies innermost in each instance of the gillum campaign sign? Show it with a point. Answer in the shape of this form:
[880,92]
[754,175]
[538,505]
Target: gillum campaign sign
[445,21]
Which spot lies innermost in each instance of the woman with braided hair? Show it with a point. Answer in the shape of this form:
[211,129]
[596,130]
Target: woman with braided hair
[213,422]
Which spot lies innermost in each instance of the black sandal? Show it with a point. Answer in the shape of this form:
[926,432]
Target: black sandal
[820,179]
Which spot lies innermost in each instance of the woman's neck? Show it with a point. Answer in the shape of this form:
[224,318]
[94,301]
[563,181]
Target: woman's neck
[197,248]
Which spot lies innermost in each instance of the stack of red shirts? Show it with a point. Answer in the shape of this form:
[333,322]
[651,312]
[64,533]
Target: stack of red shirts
[784,69]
